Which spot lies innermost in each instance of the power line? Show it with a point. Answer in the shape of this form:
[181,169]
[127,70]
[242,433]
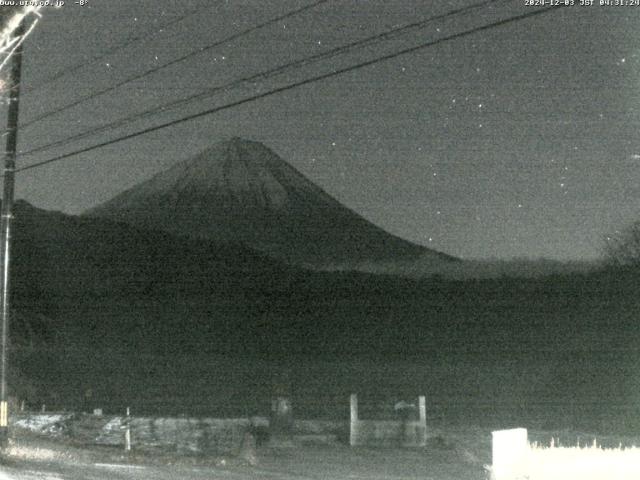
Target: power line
[173,62]
[372,40]
[131,40]
[292,86]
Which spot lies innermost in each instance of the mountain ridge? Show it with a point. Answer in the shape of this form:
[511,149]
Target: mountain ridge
[241,191]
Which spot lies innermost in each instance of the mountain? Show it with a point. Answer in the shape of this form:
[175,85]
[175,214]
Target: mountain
[240,191]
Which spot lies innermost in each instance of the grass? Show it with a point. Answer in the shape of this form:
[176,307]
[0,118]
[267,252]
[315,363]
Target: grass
[583,462]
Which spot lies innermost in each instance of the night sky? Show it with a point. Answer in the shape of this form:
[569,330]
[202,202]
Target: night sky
[521,140]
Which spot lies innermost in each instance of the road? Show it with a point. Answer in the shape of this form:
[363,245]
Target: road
[106,471]
[67,471]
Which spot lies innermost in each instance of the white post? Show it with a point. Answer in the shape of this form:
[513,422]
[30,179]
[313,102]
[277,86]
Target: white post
[353,432]
[127,433]
[422,410]
[422,405]
[510,450]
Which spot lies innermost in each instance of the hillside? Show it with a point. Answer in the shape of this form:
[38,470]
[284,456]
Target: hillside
[103,280]
[169,323]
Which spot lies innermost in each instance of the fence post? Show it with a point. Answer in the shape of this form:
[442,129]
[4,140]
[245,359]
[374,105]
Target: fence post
[509,451]
[127,432]
[281,422]
[422,410]
[353,428]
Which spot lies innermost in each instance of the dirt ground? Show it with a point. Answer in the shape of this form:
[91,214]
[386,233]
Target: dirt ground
[451,453]
[459,455]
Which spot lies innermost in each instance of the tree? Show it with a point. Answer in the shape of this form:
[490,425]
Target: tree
[623,247]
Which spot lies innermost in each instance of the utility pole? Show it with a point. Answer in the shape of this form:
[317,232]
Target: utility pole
[13,84]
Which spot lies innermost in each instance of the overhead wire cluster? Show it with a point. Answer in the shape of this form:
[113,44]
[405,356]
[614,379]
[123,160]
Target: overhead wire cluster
[192,54]
[253,78]
[134,39]
[260,76]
